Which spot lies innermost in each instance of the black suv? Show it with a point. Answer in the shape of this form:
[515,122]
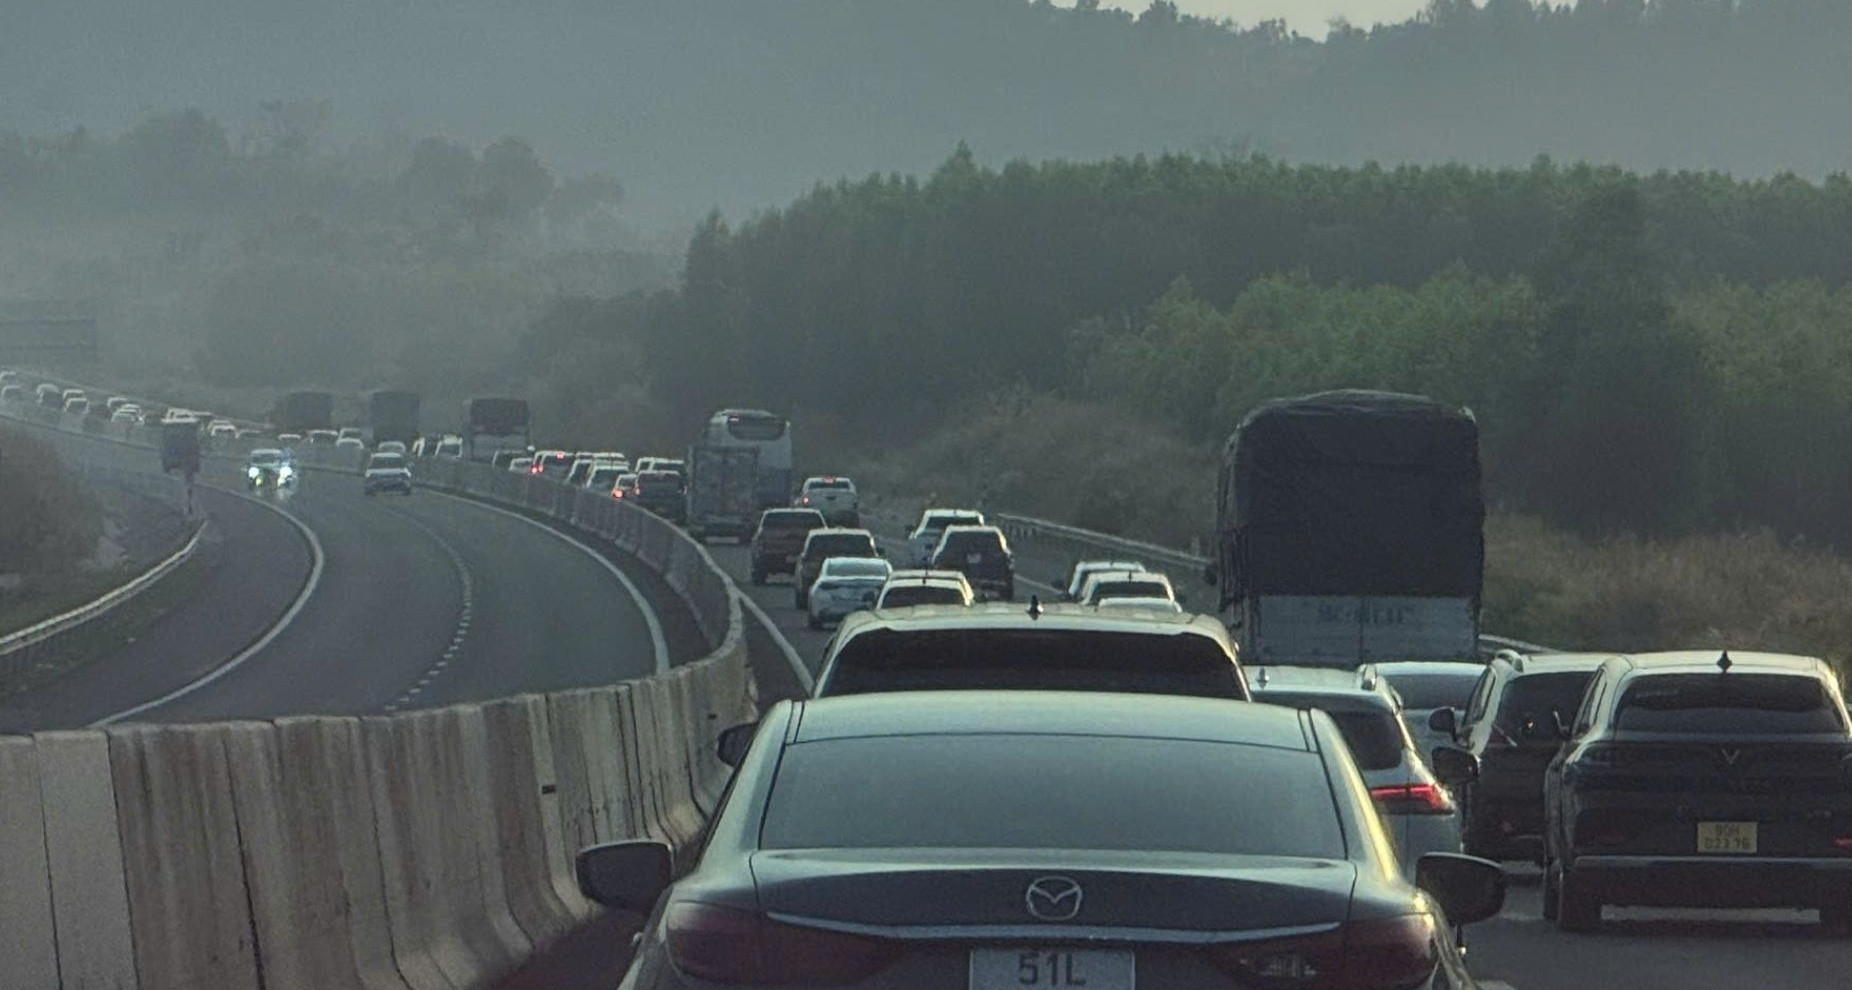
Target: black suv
[983,555]
[779,540]
[1512,725]
[663,492]
[1702,779]
[821,545]
[1054,648]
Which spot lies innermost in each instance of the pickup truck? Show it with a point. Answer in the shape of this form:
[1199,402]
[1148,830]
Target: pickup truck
[779,539]
[832,495]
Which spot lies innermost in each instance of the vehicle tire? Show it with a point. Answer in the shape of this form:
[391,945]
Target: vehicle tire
[1576,910]
[1552,889]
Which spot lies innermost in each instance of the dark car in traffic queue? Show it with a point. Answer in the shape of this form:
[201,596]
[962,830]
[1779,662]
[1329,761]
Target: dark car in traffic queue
[987,840]
[983,554]
[663,492]
[1702,779]
[1511,728]
[778,541]
[1059,647]
[822,544]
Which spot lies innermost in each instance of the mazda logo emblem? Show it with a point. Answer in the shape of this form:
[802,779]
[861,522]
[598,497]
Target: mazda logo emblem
[1053,899]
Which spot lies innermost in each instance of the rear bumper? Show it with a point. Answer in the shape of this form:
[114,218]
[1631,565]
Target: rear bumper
[1716,881]
[389,485]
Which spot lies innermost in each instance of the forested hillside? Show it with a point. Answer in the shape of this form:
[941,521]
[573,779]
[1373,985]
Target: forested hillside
[696,103]
[1658,353]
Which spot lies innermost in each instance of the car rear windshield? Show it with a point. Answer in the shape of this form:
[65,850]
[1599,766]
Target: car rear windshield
[903,596]
[605,476]
[980,542]
[842,545]
[657,481]
[1034,659]
[1729,704]
[860,568]
[1373,732]
[1130,589]
[386,461]
[938,524]
[1008,791]
[1425,691]
[833,483]
[1533,697]
[807,519]
[266,458]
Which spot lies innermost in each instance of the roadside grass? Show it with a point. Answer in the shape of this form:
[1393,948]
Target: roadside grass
[1092,466]
[118,628]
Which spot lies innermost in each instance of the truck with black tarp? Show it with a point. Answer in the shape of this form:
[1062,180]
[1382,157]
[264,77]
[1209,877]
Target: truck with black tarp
[1350,528]
[392,415]
[494,423]
[300,412]
[180,443]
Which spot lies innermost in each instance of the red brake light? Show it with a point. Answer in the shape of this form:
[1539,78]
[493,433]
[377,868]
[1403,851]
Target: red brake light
[1412,799]
[727,945]
[1388,954]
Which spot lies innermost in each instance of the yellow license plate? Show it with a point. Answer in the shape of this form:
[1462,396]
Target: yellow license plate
[1727,837]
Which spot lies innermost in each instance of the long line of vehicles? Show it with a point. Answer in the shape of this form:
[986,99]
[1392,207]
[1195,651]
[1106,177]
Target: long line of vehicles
[1313,789]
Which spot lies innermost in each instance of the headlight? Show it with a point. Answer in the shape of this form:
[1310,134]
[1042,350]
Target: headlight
[253,472]
[285,471]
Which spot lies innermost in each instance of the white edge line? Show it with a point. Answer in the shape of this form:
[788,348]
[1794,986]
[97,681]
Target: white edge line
[659,644]
[798,670]
[316,561]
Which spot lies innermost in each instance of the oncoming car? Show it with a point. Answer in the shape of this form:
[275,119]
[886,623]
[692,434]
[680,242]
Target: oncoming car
[387,473]
[268,467]
[845,585]
[989,839]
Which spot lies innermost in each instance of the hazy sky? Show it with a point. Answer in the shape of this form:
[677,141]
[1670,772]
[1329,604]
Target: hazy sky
[1307,16]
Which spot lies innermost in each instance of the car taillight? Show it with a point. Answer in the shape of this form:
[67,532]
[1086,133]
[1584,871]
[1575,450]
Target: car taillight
[727,945]
[1412,799]
[1388,954]
[617,493]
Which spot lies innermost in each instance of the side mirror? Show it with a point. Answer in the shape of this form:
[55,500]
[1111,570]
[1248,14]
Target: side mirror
[1443,720]
[1209,575]
[1468,889]
[625,875]
[1453,767]
[733,743]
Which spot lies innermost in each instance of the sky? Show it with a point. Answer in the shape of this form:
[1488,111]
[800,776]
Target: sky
[1308,17]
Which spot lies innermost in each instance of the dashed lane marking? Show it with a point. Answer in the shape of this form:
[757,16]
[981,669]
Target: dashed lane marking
[464,614]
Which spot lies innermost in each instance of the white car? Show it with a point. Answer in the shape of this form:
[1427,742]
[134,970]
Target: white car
[521,465]
[926,533]
[1102,585]
[390,447]
[832,495]
[1417,811]
[450,446]
[845,585]
[349,443]
[77,406]
[222,430]
[352,431]
[1161,606]
[386,473]
[919,587]
[603,477]
[1083,569]
[125,415]
[1428,685]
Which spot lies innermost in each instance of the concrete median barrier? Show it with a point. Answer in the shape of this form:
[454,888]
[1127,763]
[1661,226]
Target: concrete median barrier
[429,850]
[28,939]
[188,905]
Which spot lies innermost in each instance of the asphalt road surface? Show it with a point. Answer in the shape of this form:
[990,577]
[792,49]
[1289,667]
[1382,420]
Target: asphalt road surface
[416,602]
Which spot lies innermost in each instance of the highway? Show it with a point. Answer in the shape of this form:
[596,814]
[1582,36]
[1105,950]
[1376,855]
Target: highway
[1639,949]
[328,602]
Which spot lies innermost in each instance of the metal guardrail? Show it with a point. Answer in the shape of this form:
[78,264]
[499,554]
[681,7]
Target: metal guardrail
[19,649]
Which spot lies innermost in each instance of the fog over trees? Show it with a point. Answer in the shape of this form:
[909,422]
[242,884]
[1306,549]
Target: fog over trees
[699,103]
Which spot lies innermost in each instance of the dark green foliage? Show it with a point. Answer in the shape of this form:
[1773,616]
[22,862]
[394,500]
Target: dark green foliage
[1629,372]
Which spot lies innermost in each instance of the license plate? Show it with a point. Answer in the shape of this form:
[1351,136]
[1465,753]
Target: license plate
[1727,837]
[1051,969]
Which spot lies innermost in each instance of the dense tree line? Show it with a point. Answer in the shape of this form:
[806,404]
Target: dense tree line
[1660,353]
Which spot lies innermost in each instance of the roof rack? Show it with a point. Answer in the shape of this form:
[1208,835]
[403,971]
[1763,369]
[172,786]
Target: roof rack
[1513,657]
[1368,672]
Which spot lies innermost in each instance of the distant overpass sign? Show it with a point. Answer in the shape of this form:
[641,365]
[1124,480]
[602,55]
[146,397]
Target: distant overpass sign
[47,334]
